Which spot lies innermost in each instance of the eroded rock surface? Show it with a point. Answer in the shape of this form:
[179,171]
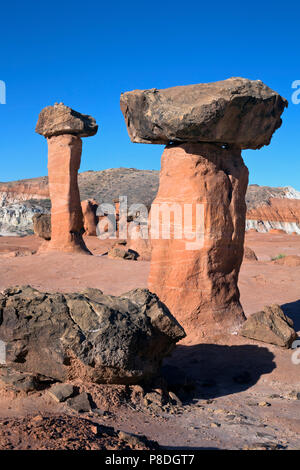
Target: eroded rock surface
[63,128]
[90,219]
[95,337]
[42,226]
[199,285]
[205,127]
[234,111]
[249,254]
[270,325]
[60,120]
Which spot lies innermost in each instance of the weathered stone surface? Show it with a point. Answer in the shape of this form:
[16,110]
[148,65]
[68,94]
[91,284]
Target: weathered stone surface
[95,337]
[90,219]
[60,119]
[61,392]
[64,156]
[18,381]
[42,226]
[270,325]
[249,254]
[234,111]
[118,252]
[199,286]
[80,403]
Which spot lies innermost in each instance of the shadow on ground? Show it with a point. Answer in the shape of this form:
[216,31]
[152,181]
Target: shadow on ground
[292,310]
[211,370]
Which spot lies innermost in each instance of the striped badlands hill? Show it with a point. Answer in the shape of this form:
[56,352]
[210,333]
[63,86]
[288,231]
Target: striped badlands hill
[268,208]
[273,209]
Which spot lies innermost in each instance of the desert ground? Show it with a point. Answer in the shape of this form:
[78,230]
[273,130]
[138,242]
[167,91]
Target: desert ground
[235,393]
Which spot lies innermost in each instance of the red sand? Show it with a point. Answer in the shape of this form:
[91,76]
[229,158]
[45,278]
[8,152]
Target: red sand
[233,418]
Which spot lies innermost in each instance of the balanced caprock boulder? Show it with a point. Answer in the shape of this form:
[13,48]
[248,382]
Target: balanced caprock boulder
[63,128]
[205,127]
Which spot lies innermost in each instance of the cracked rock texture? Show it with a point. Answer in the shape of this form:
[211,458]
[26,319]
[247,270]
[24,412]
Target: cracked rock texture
[60,119]
[95,337]
[234,111]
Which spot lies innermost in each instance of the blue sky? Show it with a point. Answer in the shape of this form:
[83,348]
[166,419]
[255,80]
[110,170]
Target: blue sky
[86,54]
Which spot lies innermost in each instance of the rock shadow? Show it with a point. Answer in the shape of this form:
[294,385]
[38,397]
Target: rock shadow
[292,310]
[210,370]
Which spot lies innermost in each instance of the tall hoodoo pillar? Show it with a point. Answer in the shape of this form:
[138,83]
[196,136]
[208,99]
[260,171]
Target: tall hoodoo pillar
[204,128]
[63,129]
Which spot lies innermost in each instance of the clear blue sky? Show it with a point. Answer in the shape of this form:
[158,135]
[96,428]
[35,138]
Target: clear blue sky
[86,53]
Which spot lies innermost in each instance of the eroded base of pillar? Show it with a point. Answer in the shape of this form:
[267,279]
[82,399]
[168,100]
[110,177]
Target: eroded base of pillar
[199,286]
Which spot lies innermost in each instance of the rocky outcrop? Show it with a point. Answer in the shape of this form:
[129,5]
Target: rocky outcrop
[215,121]
[42,226]
[16,218]
[24,190]
[264,211]
[42,222]
[276,211]
[64,128]
[95,337]
[235,111]
[90,219]
[270,325]
[249,254]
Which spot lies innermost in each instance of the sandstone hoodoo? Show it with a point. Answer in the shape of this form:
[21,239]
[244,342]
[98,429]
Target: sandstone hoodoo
[63,129]
[204,127]
[88,335]
[90,219]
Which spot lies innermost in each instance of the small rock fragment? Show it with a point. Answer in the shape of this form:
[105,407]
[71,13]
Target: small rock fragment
[270,326]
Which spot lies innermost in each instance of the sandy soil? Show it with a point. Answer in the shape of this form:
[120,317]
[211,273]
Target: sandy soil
[242,393]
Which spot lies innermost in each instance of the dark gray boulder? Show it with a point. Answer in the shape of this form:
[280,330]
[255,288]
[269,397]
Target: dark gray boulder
[234,111]
[88,335]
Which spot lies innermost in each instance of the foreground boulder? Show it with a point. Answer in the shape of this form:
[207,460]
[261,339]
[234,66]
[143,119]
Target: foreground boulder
[270,326]
[42,226]
[88,335]
[234,111]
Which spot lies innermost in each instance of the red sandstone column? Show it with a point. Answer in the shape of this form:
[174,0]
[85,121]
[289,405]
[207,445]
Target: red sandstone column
[64,156]
[200,286]
[63,128]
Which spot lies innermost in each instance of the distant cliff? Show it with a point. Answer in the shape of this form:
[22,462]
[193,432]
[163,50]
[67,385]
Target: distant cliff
[273,208]
[268,208]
